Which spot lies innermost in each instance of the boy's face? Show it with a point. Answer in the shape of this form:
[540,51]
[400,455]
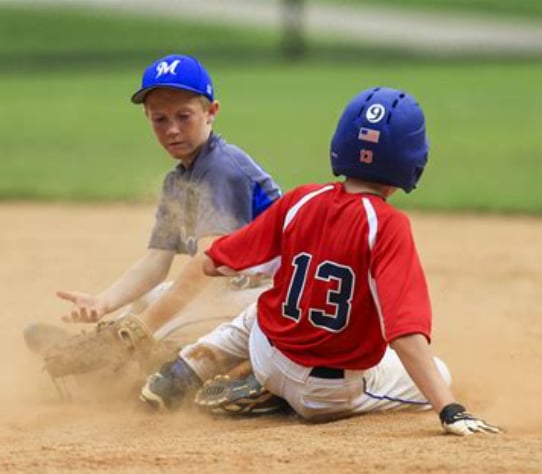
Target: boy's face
[181,120]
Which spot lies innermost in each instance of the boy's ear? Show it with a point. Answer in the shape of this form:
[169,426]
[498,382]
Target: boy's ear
[213,110]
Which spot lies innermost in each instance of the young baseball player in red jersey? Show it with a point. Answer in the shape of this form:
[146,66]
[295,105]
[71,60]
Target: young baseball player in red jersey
[346,327]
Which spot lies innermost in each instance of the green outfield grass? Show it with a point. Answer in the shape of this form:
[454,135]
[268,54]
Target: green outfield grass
[33,38]
[68,131]
[520,8]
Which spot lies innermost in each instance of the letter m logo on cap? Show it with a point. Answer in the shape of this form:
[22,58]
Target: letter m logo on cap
[167,68]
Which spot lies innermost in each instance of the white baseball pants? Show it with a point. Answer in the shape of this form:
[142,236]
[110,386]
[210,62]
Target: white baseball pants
[386,386]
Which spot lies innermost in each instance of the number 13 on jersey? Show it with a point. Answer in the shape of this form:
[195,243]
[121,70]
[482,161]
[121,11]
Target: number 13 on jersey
[340,298]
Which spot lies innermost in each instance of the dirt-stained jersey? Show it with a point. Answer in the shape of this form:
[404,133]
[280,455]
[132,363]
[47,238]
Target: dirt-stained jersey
[223,190]
[348,277]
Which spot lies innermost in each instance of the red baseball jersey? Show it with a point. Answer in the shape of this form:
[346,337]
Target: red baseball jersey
[348,277]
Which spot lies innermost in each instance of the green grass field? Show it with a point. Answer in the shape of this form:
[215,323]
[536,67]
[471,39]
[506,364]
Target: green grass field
[519,8]
[68,131]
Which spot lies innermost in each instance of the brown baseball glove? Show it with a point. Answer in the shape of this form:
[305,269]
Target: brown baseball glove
[110,345]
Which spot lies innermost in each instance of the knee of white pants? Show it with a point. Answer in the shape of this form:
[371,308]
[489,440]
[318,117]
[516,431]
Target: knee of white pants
[232,337]
[223,348]
[207,361]
[444,371]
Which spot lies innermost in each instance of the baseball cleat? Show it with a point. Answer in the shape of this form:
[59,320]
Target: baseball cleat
[153,394]
[238,396]
[167,388]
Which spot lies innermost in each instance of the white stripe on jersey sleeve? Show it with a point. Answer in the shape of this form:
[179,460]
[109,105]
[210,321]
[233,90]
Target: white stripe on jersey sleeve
[372,220]
[226,271]
[266,268]
[304,200]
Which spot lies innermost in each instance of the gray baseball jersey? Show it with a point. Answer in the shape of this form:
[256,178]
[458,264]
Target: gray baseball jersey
[223,190]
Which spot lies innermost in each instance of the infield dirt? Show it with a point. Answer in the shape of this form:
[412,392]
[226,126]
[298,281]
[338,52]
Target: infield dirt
[485,276]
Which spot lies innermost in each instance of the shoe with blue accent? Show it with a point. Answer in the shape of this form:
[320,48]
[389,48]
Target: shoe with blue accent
[167,388]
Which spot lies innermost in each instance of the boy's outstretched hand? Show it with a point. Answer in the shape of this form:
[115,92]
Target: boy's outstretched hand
[457,421]
[87,308]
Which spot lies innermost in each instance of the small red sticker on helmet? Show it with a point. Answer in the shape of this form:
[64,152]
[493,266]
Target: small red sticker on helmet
[366,156]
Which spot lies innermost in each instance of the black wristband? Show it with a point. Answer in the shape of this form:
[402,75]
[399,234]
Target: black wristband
[448,413]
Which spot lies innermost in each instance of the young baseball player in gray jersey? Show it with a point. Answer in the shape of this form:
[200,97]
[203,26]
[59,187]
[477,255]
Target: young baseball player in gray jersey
[223,190]
[214,189]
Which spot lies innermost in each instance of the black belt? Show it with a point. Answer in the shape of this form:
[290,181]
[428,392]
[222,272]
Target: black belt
[322,372]
[327,373]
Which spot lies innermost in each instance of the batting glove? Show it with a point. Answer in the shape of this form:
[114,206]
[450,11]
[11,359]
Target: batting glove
[457,421]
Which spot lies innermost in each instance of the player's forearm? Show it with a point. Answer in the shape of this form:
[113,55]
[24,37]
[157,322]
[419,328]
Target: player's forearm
[144,275]
[189,283]
[414,352]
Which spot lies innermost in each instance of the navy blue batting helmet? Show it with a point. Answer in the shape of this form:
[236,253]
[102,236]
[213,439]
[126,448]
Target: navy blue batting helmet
[381,138]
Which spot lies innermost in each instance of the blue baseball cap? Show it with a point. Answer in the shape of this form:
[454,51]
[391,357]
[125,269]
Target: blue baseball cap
[175,72]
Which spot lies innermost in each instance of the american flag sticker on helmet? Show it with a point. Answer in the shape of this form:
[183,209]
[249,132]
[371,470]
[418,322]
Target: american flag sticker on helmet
[369,135]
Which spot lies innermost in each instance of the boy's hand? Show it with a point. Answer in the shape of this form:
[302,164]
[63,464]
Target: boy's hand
[87,308]
[456,420]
